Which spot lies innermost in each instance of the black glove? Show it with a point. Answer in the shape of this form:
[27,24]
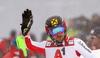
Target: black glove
[27,21]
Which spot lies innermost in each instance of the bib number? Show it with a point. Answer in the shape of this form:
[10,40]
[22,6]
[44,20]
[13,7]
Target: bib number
[58,53]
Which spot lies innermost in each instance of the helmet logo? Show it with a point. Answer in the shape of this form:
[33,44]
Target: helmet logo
[54,21]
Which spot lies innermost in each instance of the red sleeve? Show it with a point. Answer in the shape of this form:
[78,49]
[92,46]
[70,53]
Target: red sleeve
[34,48]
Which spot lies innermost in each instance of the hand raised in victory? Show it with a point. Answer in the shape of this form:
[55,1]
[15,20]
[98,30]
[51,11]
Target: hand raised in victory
[27,21]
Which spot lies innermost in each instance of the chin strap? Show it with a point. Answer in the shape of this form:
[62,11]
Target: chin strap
[55,42]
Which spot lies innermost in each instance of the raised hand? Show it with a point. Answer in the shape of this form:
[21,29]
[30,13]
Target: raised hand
[27,21]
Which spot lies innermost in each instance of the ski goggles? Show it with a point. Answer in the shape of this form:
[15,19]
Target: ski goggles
[54,31]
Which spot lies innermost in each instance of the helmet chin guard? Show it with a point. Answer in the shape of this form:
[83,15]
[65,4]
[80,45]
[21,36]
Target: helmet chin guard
[53,22]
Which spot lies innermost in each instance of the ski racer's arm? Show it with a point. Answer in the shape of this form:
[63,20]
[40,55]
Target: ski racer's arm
[27,21]
[82,48]
[26,42]
[38,47]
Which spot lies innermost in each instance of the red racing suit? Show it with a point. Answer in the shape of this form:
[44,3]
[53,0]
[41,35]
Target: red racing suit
[70,48]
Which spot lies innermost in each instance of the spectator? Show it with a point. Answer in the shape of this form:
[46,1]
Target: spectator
[12,35]
[4,45]
[95,38]
[95,21]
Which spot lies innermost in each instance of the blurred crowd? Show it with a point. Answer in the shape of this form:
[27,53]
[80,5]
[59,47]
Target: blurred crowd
[79,27]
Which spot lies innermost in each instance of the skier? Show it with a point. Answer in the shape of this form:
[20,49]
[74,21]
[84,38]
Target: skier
[60,46]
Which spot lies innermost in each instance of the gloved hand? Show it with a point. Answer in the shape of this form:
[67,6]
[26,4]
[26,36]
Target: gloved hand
[27,21]
[21,44]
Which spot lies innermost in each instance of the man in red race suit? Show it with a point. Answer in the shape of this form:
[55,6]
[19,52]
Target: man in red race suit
[60,46]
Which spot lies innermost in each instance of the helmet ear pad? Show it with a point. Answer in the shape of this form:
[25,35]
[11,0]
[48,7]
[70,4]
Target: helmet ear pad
[64,24]
[47,30]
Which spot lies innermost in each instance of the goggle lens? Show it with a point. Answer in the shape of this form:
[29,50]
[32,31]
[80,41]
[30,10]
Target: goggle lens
[54,31]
